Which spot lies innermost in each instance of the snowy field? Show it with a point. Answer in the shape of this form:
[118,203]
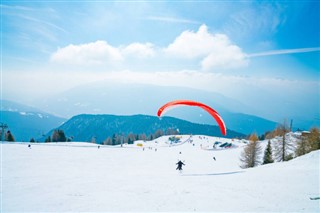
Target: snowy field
[80,177]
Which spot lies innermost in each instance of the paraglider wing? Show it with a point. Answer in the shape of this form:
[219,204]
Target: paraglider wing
[211,111]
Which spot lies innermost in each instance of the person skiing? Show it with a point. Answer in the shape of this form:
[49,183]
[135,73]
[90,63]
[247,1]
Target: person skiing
[180,163]
[214,158]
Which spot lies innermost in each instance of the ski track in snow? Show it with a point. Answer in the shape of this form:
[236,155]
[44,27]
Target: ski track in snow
[79,177]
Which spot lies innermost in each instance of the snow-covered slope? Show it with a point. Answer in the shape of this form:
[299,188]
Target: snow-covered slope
[82,177]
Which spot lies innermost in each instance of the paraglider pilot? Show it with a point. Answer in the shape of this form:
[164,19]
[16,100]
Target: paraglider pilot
[180,163]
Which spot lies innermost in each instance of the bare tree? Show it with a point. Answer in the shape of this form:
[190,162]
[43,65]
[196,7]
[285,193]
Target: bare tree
[171,131]
[108,141]
[309,142]
[302,146]
[251,153]
[314,138]
[142,137]
[93,139]
[55,136]
[283,144]
[158,133]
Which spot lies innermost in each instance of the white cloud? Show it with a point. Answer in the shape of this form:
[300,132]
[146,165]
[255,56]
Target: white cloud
[214,50]
[230,57]
[191,44]
[210,51]
[201,50]
[98,52]
[139,50]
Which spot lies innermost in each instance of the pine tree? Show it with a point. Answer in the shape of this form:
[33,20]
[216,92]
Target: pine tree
[58,136]
[268,154]
[9,136]
[48,139]
[128,140]
[114,139]
[131,138]
[251,152]
[62,136]
[32,140]
[151,137]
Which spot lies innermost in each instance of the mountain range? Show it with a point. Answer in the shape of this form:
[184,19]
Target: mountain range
[131,99]
[27,122]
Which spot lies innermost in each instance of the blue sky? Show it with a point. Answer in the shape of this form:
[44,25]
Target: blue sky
[231,47]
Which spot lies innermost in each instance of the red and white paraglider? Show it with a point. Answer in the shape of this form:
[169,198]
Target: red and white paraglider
[211,111]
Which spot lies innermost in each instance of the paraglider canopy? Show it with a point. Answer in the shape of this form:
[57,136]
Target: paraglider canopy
[211,111]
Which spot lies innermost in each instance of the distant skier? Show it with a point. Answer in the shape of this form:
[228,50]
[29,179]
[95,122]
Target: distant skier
[180,163]
[98,147]
[214,158]
[29,146]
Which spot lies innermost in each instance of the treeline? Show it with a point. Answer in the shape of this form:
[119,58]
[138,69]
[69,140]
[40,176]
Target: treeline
[58,135]
[117,139]
[281,146]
